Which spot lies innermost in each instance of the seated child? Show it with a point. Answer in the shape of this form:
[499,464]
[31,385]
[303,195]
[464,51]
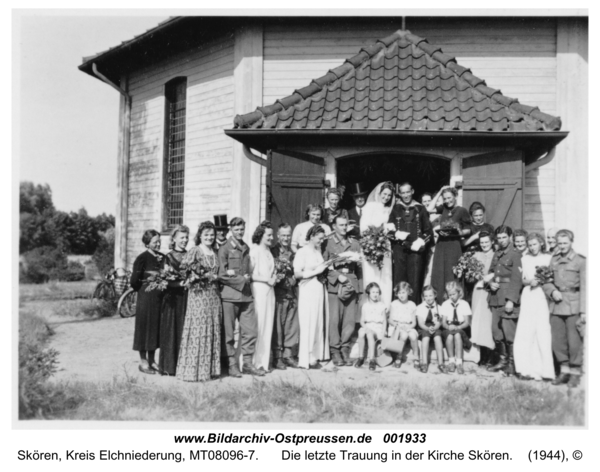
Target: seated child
[430,323]
[456,315]
[373,323]
[402,322]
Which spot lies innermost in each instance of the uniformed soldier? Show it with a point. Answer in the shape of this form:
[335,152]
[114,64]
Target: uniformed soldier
[286,329]
[505,284]
[344,284]
[334,195]
[359,193]
[413,233]
[236,294]
[567,294]
[221,229]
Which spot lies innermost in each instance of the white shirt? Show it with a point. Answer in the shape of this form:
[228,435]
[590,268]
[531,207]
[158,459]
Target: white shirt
[462,310]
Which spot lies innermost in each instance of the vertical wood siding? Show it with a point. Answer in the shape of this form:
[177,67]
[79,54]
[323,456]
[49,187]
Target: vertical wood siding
[517,56]
[209,72]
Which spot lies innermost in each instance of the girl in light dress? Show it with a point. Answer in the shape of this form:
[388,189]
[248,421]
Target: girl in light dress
[377,213]
[402,322]
[313,309]
[456,317]
[373,325]
[262,266]
[533,339]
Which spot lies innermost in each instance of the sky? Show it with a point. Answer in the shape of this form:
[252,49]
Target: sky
[68,120]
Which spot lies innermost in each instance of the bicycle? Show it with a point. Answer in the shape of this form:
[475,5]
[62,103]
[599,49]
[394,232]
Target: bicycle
[126,304]
[116,284]
[105,289]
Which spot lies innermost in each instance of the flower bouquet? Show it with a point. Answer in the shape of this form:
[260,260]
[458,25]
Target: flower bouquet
[283,268]
[160,280]
[197,276]
[450,228]
[544,274]
[468,268]
[375,245]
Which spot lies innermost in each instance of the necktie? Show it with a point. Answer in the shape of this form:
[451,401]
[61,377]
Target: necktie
[455,318]
[429,319]
[358,210]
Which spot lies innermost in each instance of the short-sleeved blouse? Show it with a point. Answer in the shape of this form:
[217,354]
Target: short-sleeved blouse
[457,214]
[374,312]
[301,230]
[402,313]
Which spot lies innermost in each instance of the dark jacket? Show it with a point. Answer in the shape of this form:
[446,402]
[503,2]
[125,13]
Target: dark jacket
[413,219]
[355,217]
[570,281]
[352,270]
[143,266]
[235,255]
[284,288]
[508,270]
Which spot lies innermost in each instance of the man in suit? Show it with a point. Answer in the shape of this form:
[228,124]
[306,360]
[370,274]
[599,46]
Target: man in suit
[359,193]
[413,233]
[344,284]
[505,283]
[235,278]
[567,295]
[221,228]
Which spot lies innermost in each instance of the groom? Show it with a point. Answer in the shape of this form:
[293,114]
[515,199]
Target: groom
[413,233]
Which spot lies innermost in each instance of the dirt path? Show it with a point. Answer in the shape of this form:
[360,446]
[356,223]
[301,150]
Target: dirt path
[100,350]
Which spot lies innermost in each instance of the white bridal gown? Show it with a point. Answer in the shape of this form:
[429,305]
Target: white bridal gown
[376,214]
[533,340]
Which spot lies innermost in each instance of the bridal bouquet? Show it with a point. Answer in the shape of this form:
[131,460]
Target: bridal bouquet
[468,268]
[197,276]
[283,268]
[375,245]
[160,280]
[544,274]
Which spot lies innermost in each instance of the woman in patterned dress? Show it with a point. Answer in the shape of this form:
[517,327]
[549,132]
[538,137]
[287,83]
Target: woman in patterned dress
[147,309]
[200,350]
[448,248]
[174,305]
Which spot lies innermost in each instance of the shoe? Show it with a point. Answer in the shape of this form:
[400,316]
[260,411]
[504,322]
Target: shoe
[574,380]
[424,368]
[346,357]
[451,367]
[460,369]
[417,365]
[280,364]
[397,363]
[234,371]
[251,370]
[290,362]
[502,358]
[337,358]
[315,366]
[523,377]
[262,369]
[509,370]
[372,364]
[359,362]
[146,370]
[563,378]
[442,369]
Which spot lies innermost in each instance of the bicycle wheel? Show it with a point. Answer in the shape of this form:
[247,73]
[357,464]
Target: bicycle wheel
[126,305]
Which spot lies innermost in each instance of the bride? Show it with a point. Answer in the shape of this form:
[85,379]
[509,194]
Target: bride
[376,213]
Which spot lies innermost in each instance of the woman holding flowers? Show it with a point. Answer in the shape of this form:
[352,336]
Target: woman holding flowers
[374,221]
[147,309]
[201,339]
[533,339]
[454,225]
[174,304]
[264,278]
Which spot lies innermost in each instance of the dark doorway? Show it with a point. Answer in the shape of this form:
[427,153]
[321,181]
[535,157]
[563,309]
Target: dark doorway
[426,174]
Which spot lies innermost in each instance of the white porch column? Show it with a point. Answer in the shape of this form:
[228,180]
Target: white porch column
[572,153]
[248,85]
[120,257]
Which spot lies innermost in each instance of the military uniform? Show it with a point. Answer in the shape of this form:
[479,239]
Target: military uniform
[570,280]
[238,303]
[408,265]
[507,269]
[286,329]
[343,298]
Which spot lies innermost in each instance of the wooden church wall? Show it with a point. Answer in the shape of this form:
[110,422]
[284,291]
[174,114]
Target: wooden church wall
[208,154]
[516,56]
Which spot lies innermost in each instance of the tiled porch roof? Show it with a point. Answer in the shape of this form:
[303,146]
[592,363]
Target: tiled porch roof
[400,83]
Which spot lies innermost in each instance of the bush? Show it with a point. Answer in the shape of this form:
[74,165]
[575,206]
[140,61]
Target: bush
[104,257]
[43,264]
[74,272]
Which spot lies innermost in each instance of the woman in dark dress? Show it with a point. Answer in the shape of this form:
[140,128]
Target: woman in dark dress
[478,224]
[448,248]
[174,305]
[147,310]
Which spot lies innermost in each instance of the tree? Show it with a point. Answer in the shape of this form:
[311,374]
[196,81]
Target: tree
[104,222]
[85,238]
[35,199]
